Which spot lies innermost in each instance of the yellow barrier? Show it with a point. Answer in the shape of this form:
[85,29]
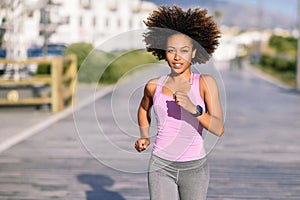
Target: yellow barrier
[61,80]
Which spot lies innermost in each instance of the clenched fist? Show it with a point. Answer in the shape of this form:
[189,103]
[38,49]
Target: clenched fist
[184,101]
[142,144]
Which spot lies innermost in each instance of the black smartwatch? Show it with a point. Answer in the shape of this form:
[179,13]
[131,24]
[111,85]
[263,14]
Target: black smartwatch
[199,111]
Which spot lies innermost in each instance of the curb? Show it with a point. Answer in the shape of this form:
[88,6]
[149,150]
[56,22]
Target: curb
[267,78]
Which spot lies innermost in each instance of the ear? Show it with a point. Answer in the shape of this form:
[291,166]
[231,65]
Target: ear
[194,53]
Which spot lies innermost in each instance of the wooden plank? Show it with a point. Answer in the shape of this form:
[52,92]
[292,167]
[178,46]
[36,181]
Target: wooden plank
[72,72]
[27,101]
[43,60]
[56,77]
[37,80]
[67,94]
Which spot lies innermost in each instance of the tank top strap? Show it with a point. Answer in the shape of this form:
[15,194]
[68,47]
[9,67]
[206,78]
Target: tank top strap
[196,84]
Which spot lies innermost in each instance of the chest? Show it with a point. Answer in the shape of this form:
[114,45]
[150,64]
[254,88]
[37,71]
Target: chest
[170,87]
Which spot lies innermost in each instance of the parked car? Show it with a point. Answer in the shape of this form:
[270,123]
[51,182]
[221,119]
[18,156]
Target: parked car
[53,50]
[2,53]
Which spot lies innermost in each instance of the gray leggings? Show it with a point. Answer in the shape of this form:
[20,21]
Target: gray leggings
[178,180]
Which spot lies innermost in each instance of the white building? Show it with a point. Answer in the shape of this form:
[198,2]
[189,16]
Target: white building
[95,21]
[92,21]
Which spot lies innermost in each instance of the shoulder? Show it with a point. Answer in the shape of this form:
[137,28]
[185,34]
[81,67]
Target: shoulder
[152,83]
[207,79]
[208,83]
[151,86]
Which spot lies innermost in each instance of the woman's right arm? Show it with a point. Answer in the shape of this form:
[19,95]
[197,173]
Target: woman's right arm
[144,116]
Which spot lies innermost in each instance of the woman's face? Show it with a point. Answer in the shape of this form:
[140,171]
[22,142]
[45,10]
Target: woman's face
[179,52]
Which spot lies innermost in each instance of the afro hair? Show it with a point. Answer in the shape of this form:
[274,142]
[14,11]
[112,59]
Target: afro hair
[167,21]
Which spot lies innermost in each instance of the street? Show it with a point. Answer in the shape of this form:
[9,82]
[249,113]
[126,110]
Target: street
[89,154]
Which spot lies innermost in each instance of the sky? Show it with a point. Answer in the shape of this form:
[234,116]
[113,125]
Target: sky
[285,7]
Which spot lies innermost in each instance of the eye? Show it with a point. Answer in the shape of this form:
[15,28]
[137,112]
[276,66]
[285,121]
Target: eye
[184,51]
[171,51]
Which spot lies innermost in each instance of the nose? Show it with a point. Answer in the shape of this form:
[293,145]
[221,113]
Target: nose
[176,56]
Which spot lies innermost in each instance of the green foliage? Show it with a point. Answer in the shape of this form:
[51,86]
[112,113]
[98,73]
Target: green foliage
[283,45]
[283,63]
[103,67]
[218,14]
[285,57]
[108,67]
[125,63]
[278,63]
[94,65]
[288,77]
[44,69]
[81,50]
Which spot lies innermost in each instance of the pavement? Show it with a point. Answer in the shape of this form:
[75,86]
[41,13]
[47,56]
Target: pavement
[86,152]
[21,122]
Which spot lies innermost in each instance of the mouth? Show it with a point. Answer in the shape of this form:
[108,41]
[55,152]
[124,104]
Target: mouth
[177,65]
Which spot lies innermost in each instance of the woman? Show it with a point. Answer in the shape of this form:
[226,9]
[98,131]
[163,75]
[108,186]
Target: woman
[184,103]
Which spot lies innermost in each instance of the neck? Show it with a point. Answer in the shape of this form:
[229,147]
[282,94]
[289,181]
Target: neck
[186,75]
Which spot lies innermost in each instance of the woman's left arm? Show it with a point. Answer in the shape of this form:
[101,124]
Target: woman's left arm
[212,120]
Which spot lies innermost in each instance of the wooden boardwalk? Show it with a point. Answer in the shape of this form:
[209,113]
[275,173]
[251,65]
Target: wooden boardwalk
[90,155]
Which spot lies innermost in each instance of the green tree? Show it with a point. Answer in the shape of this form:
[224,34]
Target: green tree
[81,50]
[218,15]
[284,45]
[281,63]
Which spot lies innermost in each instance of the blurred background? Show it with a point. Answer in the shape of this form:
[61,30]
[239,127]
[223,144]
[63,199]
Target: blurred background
[262,31]
[50,47]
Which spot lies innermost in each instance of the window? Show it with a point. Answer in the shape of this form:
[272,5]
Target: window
[85,4]
[119,23]
[80,21]
[94,21]
[107,22]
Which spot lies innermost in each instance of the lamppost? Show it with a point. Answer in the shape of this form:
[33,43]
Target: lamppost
[47,26]
[2,31]
[259,30]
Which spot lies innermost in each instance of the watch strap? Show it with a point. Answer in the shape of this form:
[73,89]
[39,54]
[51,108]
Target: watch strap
[199,111]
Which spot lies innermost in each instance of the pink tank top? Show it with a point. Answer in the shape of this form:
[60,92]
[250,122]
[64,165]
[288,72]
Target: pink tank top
[179,134]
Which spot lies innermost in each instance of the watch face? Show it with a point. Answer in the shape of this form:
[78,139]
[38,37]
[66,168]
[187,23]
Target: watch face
[199,110]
